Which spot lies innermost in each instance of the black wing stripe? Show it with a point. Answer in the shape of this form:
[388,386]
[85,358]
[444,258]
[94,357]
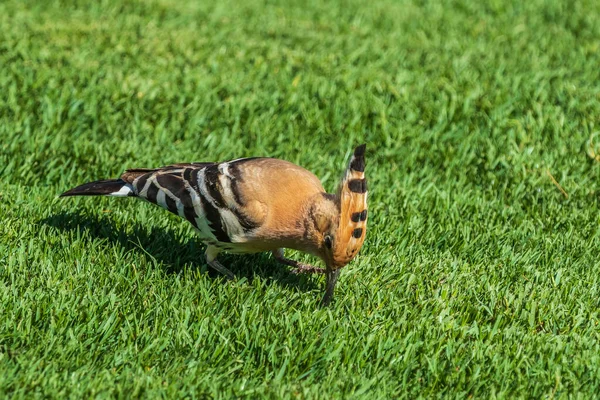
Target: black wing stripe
[235,172]
[188,206]
[229,176]
[180,185]
[151,193]
[140,183]
[172,183]
[213,186]
[244,221]
[190,216]
[171,204]
[214,218]
[209,185]
[187,175]
[193,180]
[185,198]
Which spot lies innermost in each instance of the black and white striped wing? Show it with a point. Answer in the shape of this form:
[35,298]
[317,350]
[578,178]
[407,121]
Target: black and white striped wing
[205,194]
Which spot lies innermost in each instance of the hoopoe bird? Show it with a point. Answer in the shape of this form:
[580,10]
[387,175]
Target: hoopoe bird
[253,205]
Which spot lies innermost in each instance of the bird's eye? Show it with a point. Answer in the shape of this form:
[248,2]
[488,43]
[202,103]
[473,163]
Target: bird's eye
[327,241]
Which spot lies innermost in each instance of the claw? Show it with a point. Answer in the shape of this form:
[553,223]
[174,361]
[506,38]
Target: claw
[219,267]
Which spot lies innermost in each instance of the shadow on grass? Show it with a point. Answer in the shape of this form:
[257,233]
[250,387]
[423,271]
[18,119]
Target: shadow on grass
[174,252]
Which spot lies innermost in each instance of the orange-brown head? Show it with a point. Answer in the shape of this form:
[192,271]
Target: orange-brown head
[341,220]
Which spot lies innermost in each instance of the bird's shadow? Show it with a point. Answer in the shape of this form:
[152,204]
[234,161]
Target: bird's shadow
[175,252]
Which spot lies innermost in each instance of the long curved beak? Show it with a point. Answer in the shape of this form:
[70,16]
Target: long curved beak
[332,277]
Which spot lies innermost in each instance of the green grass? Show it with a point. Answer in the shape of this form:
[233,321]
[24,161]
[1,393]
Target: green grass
[478,276]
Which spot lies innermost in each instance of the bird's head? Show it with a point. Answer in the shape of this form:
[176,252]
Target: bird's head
[341,220]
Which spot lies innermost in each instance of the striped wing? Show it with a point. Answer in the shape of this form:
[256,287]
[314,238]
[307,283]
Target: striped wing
[205,194]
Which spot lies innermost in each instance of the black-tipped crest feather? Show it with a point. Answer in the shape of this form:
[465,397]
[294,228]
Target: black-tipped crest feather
[358,160]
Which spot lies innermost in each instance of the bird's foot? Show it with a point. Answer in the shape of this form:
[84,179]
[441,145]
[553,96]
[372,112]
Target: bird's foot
[299,268]
[219,267]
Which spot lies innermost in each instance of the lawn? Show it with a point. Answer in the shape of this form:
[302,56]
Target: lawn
[480,274]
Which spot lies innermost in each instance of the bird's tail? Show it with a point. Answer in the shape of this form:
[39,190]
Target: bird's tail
[111,187]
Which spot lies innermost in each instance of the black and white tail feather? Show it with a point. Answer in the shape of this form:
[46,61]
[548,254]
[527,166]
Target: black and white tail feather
[108,187]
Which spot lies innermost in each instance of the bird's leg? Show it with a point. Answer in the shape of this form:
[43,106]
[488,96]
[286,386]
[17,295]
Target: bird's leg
[299,268]
[211,259]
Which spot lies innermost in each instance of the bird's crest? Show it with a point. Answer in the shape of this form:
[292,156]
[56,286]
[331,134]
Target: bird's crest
[352,198]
